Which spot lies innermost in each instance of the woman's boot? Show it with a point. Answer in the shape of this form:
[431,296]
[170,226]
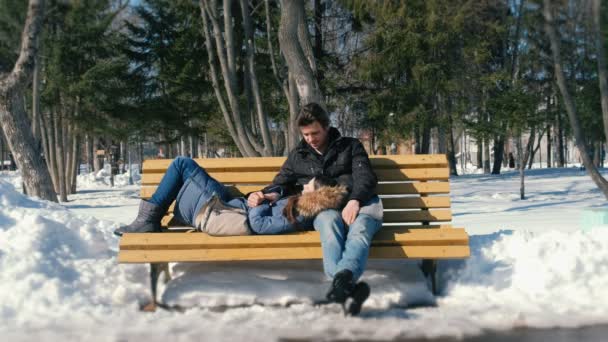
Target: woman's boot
[147,220]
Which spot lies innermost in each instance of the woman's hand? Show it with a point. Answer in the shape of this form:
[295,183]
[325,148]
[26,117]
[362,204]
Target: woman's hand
[350,211]
[256,198]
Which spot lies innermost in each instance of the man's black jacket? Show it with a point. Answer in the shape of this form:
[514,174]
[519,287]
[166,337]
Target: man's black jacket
[345,160]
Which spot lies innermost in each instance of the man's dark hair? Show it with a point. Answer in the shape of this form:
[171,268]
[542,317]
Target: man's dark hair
[310,113]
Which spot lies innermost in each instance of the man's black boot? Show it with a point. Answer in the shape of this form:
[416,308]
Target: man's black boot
[341,287]
[355,301]
[147,220]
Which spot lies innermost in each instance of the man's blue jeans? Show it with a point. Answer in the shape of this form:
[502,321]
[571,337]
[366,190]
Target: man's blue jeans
[345,248]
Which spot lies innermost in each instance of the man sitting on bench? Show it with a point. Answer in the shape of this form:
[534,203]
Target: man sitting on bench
[345,236]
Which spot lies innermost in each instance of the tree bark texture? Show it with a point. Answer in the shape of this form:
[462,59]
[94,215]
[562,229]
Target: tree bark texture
[14,121]
[220,43]
[255,88]
[297,50]
[597,178]
[601,62]
[59,155]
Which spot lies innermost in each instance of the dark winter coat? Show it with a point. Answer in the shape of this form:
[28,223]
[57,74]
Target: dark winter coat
[345,159]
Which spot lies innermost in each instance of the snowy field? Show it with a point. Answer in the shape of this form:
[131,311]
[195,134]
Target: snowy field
[531,265]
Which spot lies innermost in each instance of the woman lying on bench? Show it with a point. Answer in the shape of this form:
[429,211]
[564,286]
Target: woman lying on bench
[206,204]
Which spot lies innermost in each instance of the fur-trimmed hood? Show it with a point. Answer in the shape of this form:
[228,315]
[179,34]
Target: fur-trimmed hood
[325,197]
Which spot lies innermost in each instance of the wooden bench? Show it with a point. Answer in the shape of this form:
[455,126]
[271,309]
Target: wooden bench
[414,190]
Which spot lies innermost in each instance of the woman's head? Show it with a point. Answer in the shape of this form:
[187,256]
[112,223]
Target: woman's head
[328,190]
[318,182]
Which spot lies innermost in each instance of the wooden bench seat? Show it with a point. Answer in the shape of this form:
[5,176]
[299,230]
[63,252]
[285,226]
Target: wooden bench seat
[414,191]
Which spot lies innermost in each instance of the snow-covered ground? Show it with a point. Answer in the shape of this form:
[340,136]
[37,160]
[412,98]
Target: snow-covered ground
[531,265]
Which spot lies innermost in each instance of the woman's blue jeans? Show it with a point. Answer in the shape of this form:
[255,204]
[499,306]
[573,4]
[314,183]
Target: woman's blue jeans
[345,248]
[177,174]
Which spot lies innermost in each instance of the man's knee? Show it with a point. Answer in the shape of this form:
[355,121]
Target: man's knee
[365,226]
[327,218]
[329,222]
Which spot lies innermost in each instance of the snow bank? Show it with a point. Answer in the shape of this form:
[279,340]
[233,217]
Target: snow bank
[57,266]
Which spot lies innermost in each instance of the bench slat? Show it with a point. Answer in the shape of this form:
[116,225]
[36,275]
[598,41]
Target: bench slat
[197,240]
[405,216]
[412,216]
[415,188]
[422,188]
[266,177]
[440,215]
[399,203]
[274,163]
[286,253]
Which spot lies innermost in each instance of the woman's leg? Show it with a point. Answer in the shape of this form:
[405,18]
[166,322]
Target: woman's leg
[152,211]
[178,172]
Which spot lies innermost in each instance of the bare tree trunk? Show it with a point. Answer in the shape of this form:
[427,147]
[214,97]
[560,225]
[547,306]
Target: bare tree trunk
[199,148]
[227,61]
[52,142]
[191,144]
[561,157]
[182,146]
[90,152]
[36,101]
[140,152]
[1,150]
[521,165]
[13,119]
[452,149]
[287,83]
[297,50]
[479,153]
[293,101]
[529,145]
[499,148]
[255,89]
[486,156]
[597,178]
[75,165]
[596,153]
[601,62]
[549,146]
[69,155]
[96,161]
[59,154]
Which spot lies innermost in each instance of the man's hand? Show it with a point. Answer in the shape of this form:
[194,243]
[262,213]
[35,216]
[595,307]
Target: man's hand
[272,197]
[256,198]
[350,212]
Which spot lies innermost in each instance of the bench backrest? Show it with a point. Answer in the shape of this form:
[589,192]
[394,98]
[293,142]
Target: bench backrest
[414,188]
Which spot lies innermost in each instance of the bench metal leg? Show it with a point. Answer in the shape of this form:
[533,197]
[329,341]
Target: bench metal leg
[155,271]
[429,269]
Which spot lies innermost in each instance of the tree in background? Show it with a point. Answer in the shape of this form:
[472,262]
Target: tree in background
[580,142]
[13,118]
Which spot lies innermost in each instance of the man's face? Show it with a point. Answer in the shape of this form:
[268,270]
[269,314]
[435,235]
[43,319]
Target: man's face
[315,135]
